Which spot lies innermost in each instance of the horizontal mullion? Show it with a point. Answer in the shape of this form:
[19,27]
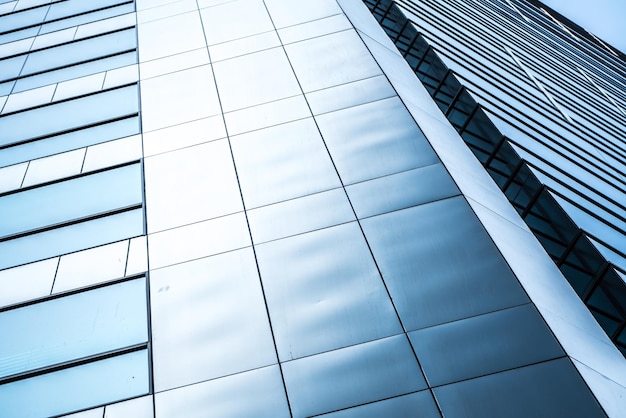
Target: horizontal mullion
[73,363]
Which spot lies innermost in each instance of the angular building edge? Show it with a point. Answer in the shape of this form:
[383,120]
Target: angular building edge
[600,364]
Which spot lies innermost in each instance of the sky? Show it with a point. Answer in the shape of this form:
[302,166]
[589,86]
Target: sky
[604,18]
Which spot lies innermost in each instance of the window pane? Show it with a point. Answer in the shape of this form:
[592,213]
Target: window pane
[51,332]
[68,115]
[71,238]
[68,141]
[76,388]
[70,199]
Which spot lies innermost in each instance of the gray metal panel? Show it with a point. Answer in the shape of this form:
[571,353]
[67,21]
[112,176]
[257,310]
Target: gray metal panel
[324,292]
[439,264]
[351,376]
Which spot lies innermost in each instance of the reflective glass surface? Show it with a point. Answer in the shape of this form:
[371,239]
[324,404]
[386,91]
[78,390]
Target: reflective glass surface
[78,387]
[98,193]
[75,71]
[75,52]
[68,115]
[51,332]
[78,86]
[30,98]
[71,238]
[70,140]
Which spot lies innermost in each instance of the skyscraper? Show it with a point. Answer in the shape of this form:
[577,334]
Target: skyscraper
[255,208]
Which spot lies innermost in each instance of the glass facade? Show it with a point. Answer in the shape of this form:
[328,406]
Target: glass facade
[253,208]
[590,254]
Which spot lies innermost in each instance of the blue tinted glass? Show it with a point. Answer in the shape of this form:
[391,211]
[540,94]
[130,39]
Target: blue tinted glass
[80,51]
[51,332]
[6,88]
[20,34]
[75,71]
[68,115]
[89,17]
[74,7]
[80,387]
[25,18]
[71,238]
[72,199]
[10,67]
[69,141]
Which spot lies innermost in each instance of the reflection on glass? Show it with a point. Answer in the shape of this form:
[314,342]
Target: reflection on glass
[79,387]
[71,238]
[51,332]
[68,115]
[71,199]
[75,52]
[69,141]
